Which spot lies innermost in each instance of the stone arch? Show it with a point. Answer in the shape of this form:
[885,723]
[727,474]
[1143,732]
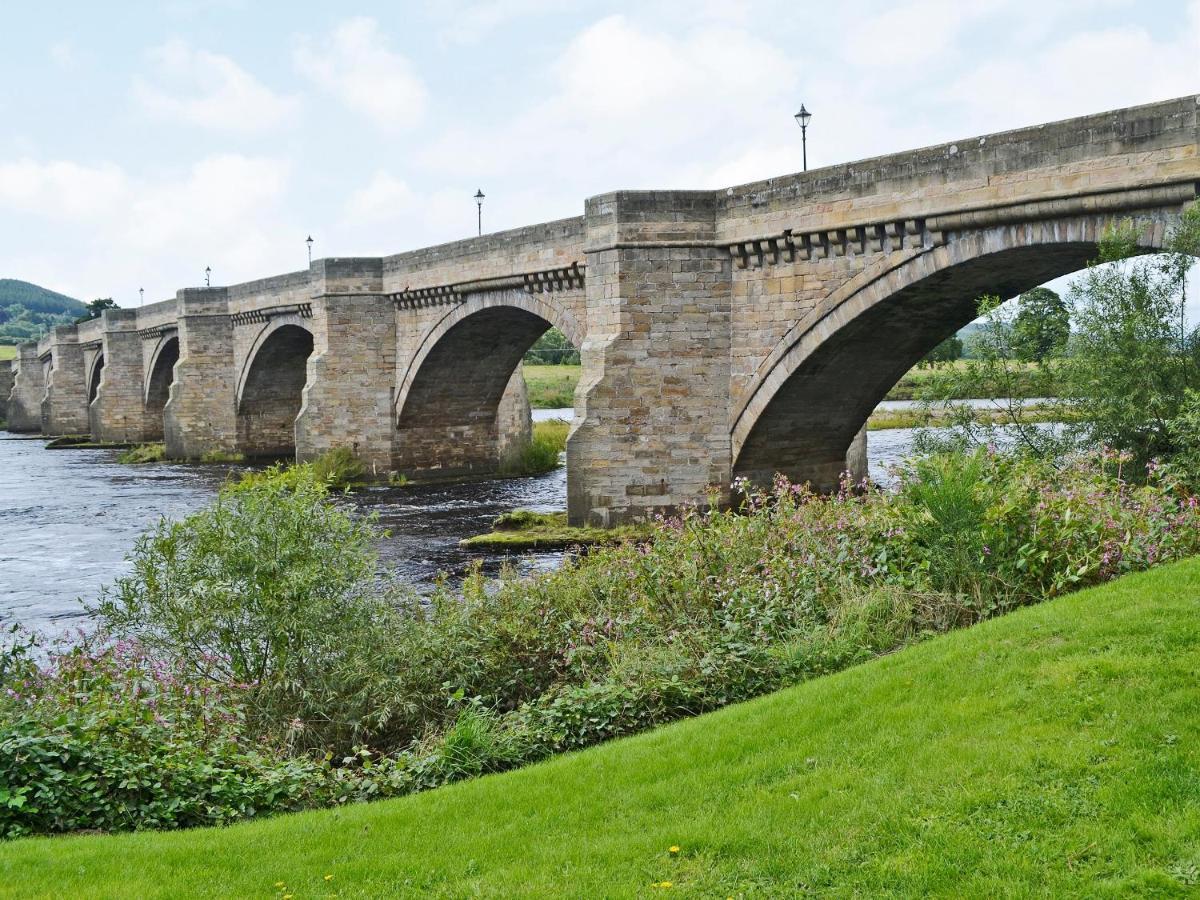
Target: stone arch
[270,388]
[815,389]
[95,373]
[160,374]
[448,398]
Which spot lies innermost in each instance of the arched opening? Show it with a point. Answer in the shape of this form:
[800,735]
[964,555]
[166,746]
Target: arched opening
[832,378]
[272,393]
[94,377]
[158,387]
[465,409]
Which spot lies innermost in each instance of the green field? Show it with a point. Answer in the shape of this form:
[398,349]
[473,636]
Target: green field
[553,387]
[1052,752]
[7,351]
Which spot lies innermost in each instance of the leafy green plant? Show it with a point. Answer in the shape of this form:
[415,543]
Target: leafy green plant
[143,453]
[1134,356]
[324,685]
[544,452]
[273,588]
[338,468]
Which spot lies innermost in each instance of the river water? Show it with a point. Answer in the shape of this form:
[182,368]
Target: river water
[68,518]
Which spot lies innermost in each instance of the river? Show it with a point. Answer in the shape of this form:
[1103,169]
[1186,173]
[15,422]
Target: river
[68,518]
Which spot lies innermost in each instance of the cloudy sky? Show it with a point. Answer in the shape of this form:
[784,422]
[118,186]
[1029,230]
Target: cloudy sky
[142,141]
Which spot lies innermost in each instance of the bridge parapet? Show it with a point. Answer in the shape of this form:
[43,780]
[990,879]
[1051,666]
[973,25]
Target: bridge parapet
[505,254]
[1144,146]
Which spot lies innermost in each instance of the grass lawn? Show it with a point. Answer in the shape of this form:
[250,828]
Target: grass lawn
[7,351]
[1053,752]
[551,387]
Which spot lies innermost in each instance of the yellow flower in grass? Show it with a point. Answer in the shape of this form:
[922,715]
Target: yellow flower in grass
[674,851]
[329,878]
[663,884]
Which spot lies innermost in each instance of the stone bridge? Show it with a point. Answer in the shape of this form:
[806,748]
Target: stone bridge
[737,332]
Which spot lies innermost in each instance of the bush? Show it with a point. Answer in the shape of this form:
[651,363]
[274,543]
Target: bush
[284,666]
[274,588]
[108,737]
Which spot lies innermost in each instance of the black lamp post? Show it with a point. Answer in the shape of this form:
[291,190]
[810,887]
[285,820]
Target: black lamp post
[208,276]
[309,242]
[479,207]
[802,118]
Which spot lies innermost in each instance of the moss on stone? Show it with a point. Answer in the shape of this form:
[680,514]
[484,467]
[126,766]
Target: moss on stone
[523,529]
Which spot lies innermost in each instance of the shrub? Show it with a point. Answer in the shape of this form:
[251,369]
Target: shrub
[338,468]
[318,685]
[274,588]
[109,737]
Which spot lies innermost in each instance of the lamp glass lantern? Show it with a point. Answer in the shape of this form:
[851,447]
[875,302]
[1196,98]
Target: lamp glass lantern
[479,208]
[802,119]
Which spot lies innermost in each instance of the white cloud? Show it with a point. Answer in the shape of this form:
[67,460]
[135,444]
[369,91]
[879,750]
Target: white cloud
[384,198]
[629,107]
[357,66]
[1068,77]
[470,22]
[912,34]
[124,232]
[210,91]
[64,55]
[62,190]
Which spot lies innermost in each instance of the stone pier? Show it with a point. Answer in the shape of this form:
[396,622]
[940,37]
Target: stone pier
[28,390]
[65,406]
[201,415]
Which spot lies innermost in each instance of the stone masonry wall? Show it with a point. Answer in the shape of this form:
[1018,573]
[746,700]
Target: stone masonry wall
[118,413]
[64,408]
[200,416]
[348,397]
[6,386]
[28,390]
[654,396]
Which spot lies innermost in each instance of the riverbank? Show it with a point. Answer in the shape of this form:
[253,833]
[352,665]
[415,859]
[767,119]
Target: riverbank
[1048,752]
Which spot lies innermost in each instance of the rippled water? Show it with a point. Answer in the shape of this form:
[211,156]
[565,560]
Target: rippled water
[69,517]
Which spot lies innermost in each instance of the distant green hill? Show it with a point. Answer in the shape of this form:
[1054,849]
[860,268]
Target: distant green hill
[28,311]
[37,299]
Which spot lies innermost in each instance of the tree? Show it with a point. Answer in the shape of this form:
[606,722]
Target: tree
[552,349]
[1134,359]
[947,351]
[1042,327]
[1130,380]
[95,308]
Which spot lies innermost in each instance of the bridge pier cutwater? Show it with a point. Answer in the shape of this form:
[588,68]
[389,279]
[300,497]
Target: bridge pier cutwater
[740,332]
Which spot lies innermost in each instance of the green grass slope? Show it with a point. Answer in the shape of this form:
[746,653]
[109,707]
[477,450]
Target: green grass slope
[1053,752]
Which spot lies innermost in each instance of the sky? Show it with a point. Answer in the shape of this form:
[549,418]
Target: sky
[143,141]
